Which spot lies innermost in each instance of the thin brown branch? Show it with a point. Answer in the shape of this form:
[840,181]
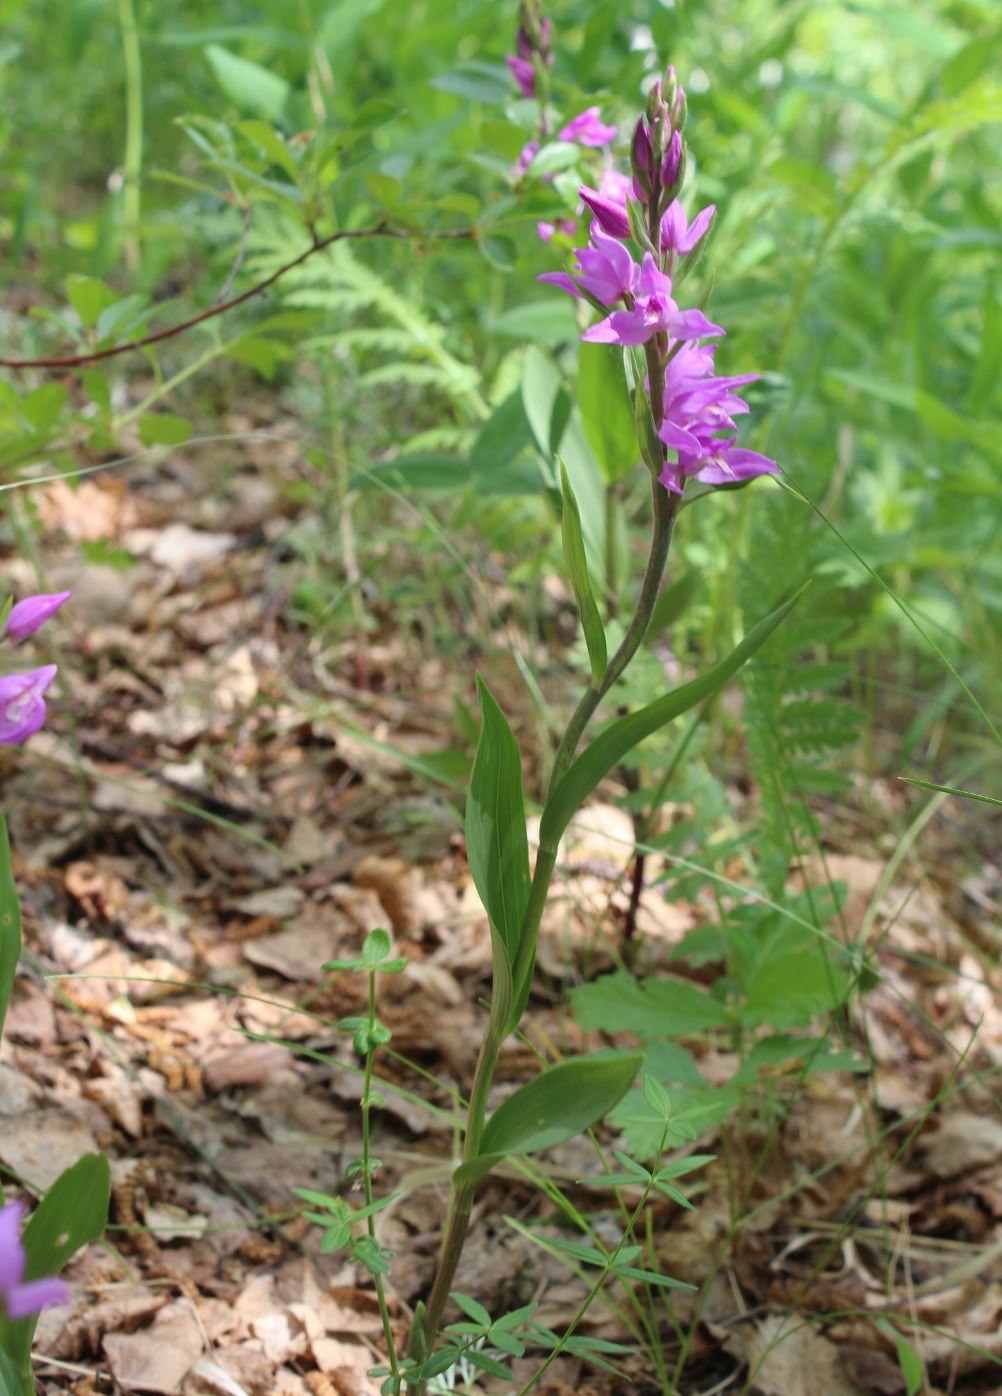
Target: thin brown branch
[221,307]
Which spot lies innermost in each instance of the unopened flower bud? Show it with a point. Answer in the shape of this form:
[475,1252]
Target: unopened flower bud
[26,617]
[610,216]
[671,166]
[524,73]
[655,104]
[679,111]
[642,158]
[524,45]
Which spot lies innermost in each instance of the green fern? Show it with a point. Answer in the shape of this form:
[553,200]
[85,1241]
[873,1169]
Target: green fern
[411,346]
[799,725]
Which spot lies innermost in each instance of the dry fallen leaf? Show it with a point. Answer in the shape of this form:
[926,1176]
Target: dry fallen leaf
[158,1358]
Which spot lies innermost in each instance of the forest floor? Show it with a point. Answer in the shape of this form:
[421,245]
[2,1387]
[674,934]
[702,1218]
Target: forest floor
[214,810]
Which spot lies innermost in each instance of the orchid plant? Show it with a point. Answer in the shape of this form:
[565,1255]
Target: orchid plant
[75,1208]
[640,244]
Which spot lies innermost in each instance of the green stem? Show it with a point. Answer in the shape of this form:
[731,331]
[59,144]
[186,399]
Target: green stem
[666,506]
[133,159]
[499,1024]
[461,1200]
[370,1221]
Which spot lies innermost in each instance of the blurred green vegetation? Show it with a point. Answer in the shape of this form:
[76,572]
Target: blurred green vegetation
[851,150]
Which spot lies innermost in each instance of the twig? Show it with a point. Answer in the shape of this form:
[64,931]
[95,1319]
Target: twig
[220,308]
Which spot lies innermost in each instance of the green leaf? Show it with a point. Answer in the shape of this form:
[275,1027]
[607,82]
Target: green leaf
[671,604]
[908,1359]
[549,321]
[247,84]
[788,990]
[10,1384]
[271,145]
[73,1212]
[541,388]
[472,1309]
[621,736]
[500,441]
[577,568]
[660,1007]
[604,403]
[496,841]
[558,1104]
[42,406]
[88,297]
[10,923]
[485,1363]
[260,353]
[478,82]
[164,429]
[951,790]
[376,946]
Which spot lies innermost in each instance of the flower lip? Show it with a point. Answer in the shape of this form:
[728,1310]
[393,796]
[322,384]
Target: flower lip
[31,613]
[22,703]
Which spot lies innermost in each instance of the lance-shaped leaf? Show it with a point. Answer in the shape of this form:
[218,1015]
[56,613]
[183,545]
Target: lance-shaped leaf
[606,410]
[577,567]
[614,741]
[552,1108]
[496,841]
[73,1212]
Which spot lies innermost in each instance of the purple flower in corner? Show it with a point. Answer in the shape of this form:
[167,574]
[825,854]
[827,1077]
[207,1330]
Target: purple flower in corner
[22,704]
[20,1298]
[26,617]
[653,312]
[588,129]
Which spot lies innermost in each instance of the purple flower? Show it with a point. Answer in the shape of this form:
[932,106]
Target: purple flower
[699,412]
[19,1299]
[26,617]
[588,129]
[605,270]
[681,236]
[524,74]
[22,705]
[653,312]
